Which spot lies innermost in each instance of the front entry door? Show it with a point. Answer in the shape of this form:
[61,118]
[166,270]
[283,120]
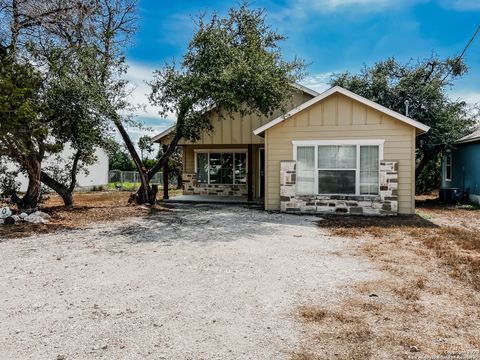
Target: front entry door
[261,152]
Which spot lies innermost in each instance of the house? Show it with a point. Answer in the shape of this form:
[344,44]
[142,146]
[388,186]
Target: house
[96,175]
[461,167]
[334,152]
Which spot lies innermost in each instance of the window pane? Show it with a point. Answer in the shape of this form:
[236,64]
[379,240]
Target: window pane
[240,168]
[306,169]
[448,166]
[227,168]
[369,182]
[221,168]
[202,168]
[337,157]
[369,170]
[215,168]
[369,158]
[336,181]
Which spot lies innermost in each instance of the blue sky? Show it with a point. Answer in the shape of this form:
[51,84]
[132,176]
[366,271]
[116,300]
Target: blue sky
[330,35]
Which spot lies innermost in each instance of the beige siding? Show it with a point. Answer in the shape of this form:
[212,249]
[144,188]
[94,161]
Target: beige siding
[238,129]
[337,118]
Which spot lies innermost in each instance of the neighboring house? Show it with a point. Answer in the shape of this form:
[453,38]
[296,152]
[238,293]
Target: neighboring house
[96,176]
[461,167]
[333,152]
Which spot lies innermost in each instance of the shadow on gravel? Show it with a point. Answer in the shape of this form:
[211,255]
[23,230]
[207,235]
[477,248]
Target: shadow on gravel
[203,223]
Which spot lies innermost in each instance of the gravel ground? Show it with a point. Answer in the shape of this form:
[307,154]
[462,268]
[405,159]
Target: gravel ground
[198,282]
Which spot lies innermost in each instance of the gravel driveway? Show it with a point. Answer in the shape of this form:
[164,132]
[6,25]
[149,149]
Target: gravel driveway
[198,282]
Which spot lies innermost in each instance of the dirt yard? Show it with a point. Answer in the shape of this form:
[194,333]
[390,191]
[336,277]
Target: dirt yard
[190,282]
[106,280]
[426,305]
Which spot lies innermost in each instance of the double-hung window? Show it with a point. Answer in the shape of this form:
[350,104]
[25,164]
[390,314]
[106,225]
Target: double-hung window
[448,166]
[221,167]
[338,167]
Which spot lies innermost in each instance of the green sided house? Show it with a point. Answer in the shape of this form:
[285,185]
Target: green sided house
[334,152]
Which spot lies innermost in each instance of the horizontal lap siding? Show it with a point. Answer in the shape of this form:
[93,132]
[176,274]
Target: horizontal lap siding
[339,117]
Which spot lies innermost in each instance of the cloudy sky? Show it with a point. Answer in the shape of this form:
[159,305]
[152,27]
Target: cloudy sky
[330,35]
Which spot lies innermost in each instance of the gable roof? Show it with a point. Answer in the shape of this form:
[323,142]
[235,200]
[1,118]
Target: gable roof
[337,89]
[474,136]
[302,88]
[163,134]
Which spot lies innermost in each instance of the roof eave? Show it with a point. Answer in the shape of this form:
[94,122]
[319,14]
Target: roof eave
[164,133]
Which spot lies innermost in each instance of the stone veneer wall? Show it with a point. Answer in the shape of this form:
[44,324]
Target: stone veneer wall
[386,203]
[192,187]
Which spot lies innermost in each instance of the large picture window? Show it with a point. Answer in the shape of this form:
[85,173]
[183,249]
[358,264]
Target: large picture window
[333,167]
[221,167]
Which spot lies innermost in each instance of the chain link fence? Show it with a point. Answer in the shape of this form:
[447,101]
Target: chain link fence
[130,180]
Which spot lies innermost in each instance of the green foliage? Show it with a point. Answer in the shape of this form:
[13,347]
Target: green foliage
[424,84]
[175,162]
[232,64]
[23,124]
[145,144]
[8,183]
[119,159]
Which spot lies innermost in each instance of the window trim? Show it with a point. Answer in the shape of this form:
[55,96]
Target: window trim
[362,142]
[448,155]
[220,151]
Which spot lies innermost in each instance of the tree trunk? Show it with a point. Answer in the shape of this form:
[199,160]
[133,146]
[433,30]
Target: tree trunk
[427,157]
[73,173]
[144,193]
[29,201]
[59,188]
[159,165]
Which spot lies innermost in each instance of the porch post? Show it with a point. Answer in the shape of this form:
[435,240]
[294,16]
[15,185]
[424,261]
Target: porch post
[250,172]
[165,175]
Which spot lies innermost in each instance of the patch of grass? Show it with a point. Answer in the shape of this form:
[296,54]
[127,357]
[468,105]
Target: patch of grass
[124,186]
[357,226]
[312,314]
[421,300]
[458,249]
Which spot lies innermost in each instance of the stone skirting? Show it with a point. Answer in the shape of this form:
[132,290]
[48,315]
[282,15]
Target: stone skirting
[386,203]
[192,187]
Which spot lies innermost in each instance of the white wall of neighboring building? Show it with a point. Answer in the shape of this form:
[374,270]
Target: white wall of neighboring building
[97,173]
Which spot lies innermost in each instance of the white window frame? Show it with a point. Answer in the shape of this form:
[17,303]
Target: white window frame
[448,156]
[218,151]
[316,143]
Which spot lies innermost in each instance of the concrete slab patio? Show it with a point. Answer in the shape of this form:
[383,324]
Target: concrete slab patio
[197,282]
[209,199]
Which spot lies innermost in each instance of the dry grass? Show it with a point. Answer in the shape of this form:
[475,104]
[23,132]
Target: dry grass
[88,208]
[427,298]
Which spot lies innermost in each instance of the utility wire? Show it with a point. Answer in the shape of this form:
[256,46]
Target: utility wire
[462,53]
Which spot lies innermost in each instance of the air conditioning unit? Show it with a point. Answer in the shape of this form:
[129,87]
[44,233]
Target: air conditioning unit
[450,195]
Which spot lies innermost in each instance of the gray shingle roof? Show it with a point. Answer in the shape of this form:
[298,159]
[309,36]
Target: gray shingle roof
[474,136]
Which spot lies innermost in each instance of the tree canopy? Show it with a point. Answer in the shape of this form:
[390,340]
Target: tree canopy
[70,53]
[232,64]
[425,85]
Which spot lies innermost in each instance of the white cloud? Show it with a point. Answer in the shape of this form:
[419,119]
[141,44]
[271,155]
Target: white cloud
[138,75]
[318,82]
[470,97]
[304,8]
[461,5]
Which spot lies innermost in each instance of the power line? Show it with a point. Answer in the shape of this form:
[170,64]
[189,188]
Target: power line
[462,53]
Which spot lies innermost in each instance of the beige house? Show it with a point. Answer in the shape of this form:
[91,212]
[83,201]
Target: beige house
[334,152]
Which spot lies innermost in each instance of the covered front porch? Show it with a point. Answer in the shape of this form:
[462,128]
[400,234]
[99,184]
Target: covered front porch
[223,173]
